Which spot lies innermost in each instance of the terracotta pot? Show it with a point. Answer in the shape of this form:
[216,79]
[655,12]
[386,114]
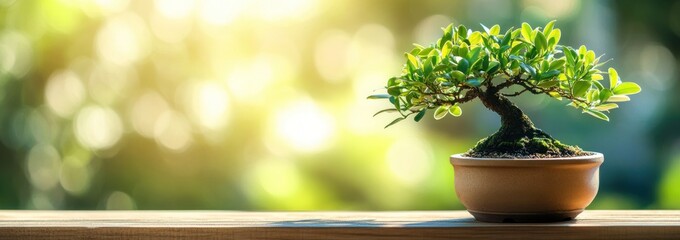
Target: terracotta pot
[526,190]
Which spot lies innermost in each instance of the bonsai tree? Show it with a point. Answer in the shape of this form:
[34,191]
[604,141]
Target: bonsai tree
[491,66]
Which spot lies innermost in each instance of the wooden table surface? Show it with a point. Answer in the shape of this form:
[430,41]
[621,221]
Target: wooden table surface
[326,225]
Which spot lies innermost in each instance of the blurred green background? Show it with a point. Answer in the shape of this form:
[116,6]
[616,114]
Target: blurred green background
[260,105]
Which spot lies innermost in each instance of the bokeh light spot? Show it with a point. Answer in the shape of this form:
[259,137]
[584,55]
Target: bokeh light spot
[658,66]
[120,201]
[15,53]
[43,162]
[123,40]
[146,112]
[74,177]
[304,126]
[173,131]
[211,104]
[98,127]
[64,93]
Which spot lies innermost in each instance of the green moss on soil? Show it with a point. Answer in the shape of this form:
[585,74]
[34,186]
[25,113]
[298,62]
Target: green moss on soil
[535,144]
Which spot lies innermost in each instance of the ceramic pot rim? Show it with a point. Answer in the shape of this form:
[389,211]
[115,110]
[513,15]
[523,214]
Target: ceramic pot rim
[460,160]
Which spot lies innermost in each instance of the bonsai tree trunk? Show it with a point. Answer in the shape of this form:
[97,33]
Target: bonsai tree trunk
[517,136]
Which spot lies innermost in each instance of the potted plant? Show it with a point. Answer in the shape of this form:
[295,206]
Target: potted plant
[520,173]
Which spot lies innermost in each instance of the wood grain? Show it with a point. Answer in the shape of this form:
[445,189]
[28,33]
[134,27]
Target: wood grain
[326,225]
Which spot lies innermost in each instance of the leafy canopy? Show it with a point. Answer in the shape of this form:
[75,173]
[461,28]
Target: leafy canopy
[463,64]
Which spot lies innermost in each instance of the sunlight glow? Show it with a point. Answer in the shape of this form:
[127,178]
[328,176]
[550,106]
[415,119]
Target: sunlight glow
[277,10]
[123,40]
[278,178]
[331,56]
[211,104]
[304,126]
[221,12]
[246,82]
[410,160]
[98,127]
[174,8]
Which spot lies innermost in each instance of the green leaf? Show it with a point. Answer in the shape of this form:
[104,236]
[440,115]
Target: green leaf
[528,69]
[462,31]
[474,54]
[475,82]
[598,85]
[596,114]
[590,57]
[506,39]
[413,60]
[618,98]
[385,110]
[555,34]
[448,31]
[613,78]
[555,95]
[378,96]
[580,88]
[605,94]
[441,111]
[557,64]
[493,67]
[463,66]
[570,55]
[486,29]
[427,67]
[548,84]
[540,41]
[517,48]
[475,37]
[549,27]
[446,50]
[596,77]
[549,74]
[460,76]
[456,111]
[425,52]
[394,91]
[420,115]
[606,107]
[627,88]
[526,32]
[495,30]
[582,51]
[395,121]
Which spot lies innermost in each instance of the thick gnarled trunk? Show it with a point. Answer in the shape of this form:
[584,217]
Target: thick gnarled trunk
[517,136]
[514,123]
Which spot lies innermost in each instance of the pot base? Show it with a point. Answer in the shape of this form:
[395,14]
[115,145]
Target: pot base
[525,217]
